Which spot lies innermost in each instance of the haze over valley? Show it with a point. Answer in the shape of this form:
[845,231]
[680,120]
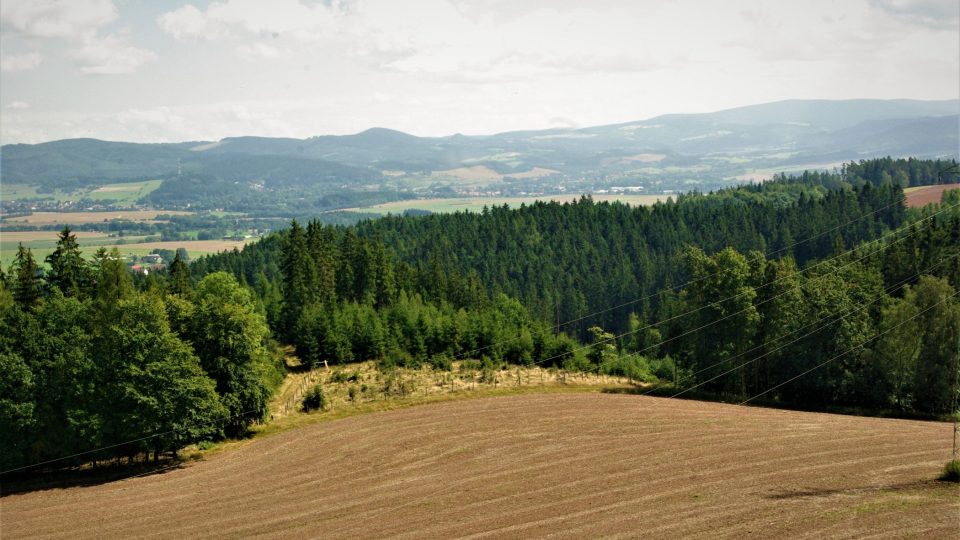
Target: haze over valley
[479,268]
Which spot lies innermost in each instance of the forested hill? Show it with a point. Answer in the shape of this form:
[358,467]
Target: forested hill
[733,293]
[565,261]
[823,279]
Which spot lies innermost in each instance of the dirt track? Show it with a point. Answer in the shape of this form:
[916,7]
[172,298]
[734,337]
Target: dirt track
[571,465]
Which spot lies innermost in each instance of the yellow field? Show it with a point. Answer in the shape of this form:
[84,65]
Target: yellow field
[475,204]
[760,175]
[73,218]
[192,246]
[43,243]
[30,236]
[646,158]
[486,174]
[477,172]
[535,172]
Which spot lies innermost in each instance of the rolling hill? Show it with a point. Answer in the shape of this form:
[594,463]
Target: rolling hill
[671,152]
[572,465]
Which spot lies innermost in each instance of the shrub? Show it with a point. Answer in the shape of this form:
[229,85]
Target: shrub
[205,445]
[951,471]
[579,364]
[340,376]
[314,399]
[470,365]
[664,368]
[488,376]
[441,362]
[395,385]
[631,366]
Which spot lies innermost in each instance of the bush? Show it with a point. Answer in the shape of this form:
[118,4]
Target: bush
[579,364]
[340,376]
[664,368]
[314,399]
[631,366]
[441,362]
[205,445]
[951,471]
[395,385]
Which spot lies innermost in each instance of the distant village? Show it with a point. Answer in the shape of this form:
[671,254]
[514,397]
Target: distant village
[153,262]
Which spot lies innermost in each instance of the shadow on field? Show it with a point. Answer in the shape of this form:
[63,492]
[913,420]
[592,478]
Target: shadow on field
[13,484]
[916,485]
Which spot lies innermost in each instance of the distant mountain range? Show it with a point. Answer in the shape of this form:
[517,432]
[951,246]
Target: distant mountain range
[722,144]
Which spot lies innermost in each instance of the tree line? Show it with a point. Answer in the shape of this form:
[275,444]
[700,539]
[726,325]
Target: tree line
[876,329]
[425,289]
[88,360]
[677,293]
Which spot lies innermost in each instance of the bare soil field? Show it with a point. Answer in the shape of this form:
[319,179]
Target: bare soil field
[192,246]
[476,204]
[477,172]
[924,195]
[72,218]
[568,465]
[31,236]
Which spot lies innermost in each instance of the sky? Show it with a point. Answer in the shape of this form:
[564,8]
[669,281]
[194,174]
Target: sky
[168,71]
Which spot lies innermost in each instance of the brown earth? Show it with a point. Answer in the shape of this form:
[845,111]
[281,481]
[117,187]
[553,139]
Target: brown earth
[198,246]
[29,236]
[570,465]
[925,195]
[72,218]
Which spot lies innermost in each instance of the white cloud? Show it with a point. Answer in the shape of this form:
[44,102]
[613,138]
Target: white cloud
[431,37]
[237,18]
[935,14]
[433,67]
[258,51]
[110,55]
[17,105]
[73,19]
[20,62]
[78,25]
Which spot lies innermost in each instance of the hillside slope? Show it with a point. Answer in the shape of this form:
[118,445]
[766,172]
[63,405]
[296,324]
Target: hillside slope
[771,134]
[574,465]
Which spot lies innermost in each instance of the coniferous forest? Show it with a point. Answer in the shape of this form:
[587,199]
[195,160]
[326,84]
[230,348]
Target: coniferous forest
[817,290]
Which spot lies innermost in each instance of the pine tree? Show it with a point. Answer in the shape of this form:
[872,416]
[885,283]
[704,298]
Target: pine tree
[113,283]
[28,285]
[179,283]
[68,270]
[299,278]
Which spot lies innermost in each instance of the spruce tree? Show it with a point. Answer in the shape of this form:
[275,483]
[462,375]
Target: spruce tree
[68,270]
[299,278]
[28,285]
[179,283]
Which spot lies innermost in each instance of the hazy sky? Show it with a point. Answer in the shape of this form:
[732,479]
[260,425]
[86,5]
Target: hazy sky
[175,70]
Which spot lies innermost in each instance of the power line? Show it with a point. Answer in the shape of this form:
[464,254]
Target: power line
[131,441]
[607,340]
[682,285]
[838,317]
[820,365]
[764,355]
[224,419]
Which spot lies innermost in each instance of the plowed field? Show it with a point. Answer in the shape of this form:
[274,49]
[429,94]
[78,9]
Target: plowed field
[569,465]
[922,196]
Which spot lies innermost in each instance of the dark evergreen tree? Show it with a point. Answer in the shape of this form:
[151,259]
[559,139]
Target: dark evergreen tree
[28,283]
[179,282]
[68,271]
